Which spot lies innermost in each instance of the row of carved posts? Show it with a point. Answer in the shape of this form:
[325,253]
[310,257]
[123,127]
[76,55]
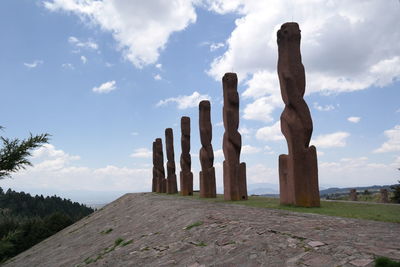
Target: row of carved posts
[234,172]
[298,170]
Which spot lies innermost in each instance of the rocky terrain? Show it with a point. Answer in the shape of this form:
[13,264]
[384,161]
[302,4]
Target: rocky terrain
[148,229]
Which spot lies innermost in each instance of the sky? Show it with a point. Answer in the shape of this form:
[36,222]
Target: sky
[105,78]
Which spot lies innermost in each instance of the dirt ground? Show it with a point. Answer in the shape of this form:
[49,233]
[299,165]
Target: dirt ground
[147,229]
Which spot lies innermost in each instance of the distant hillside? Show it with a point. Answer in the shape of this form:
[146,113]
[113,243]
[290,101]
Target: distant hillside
[346,190]
[274,192]
[26,220]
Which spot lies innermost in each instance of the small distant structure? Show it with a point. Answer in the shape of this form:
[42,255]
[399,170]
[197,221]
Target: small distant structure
[207,173]
[384,195]
[353,195]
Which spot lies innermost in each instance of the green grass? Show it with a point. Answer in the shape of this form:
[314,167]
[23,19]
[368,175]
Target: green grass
[376,212]
[118,242]
[385,262]
[104,232]
[200,244]
[193,225]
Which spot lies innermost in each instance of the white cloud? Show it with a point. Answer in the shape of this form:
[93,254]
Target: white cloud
[88,44]
[105,87]
[356,172]
[34,64]
[54,170]
[185,101]
[141,28]
[262,108]
[393,142]
[134,133]
[262,83]
[142,153]
[157,77]
[264,89]
[159,66]
[337,139]
[268,150]
[339,44]
[354,119]
[68,66]
[218,153]
[323,108]
[260,173]
[270,133]
[83,59]
[223,6]
[247,149]
[245,131]
[216,46]
[387,71]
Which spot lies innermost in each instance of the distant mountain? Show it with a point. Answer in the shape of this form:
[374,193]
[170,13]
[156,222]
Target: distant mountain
[262,189]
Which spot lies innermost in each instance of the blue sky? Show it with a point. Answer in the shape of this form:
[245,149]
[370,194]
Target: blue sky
[105,78]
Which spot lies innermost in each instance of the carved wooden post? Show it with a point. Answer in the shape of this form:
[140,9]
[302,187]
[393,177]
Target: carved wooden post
[298,171]
[186,175]
[207,173]
[235,187]
[171,176]
[353,195]
[154,181]
[160,172]
[384,195]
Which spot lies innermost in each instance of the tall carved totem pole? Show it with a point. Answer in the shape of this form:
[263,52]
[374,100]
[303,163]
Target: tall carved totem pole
[160,172]
[172,187]
[207,173]
[186,175]
[235,187]
[298,171]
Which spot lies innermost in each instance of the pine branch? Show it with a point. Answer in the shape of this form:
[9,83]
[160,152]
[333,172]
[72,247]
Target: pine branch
[14,153]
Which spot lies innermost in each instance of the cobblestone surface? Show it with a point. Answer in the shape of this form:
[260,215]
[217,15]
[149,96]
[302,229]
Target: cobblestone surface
[168,231]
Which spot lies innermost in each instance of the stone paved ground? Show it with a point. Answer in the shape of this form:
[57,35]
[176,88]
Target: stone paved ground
[230,235]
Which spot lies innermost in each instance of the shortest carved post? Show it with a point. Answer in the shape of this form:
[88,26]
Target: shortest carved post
[160,172]
[353,195]
[207,173]
[171,176]
[186,175]
[154,181]
[384,195]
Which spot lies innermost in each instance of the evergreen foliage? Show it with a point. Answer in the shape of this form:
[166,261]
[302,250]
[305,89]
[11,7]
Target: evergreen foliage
[396,192]
[14,153]
[26,220]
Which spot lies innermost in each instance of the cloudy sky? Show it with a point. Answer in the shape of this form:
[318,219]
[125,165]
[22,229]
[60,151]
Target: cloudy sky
[105,78]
